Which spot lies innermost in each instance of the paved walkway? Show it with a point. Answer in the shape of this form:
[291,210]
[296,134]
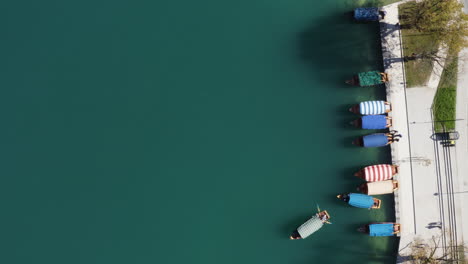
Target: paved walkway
[393,64]
[461,149]
[426,203]
[462,127]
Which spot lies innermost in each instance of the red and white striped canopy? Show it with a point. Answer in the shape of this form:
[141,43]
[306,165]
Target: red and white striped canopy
[379,172]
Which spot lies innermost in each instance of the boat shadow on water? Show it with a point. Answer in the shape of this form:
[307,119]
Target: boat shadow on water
[347,183]
[343,110]
[370,256]
[295,221]
[349,247]
[334,48]
[347,142]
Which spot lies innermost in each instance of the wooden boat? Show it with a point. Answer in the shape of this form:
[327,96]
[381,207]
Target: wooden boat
[368,78]
[373,122]
[371,108]
[368,14]
[360,200]
[381,229]
[377,188]
[381,172]
[372,140]
[311,226]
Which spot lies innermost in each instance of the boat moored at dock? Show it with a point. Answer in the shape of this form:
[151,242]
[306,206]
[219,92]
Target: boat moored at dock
[372,140]
[371,108]
[360,200]
[368,78]
[381,229]
[380,172]
[368,14]
[377,188]
[373,122]
[378,139]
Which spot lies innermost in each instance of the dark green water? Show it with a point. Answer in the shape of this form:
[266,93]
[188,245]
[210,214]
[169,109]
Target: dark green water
[182,132]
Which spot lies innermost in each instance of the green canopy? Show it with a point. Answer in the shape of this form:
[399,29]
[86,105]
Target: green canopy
[369,78]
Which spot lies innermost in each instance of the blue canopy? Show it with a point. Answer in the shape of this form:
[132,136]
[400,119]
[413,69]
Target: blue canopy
[381,230]
[361,200]
[375,140]
[366,14]
[374,122]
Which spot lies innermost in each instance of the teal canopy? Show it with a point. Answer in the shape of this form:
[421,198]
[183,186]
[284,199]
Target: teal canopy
[369,78]
[381,229]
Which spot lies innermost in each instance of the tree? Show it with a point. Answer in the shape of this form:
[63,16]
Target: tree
[455,33]
[433,15]
[444,20]
[423,252]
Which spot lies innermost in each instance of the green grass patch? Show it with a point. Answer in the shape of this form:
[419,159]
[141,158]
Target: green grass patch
[444,105]
[444,108]
[450,74]
[417,71]
[387,2]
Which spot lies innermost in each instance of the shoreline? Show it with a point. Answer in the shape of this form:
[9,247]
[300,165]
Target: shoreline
[395,93]
[392,55]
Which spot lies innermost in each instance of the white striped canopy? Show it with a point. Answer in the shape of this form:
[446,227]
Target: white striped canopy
[372,107]
[379,172]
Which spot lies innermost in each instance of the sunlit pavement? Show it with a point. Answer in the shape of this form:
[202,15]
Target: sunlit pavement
[433,177]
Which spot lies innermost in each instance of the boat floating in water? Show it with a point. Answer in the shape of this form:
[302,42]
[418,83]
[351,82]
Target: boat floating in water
[311,226]
[372,140]
[360,200]
[381,229]
[380,187]
[373,122]
[368,78]
[378,139]
[367,14]
[374,173]
[371,108]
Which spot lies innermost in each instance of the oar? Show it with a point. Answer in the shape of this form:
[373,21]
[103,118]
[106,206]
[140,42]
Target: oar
[318,209]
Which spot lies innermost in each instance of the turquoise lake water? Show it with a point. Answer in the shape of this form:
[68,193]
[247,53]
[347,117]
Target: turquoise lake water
[183,132]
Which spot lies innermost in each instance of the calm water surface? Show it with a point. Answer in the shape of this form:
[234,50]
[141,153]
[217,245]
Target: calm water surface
[183,132]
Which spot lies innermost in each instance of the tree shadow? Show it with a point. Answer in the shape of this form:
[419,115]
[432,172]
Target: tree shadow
[336,48]
[388,62]
[393,30]
[387,29]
